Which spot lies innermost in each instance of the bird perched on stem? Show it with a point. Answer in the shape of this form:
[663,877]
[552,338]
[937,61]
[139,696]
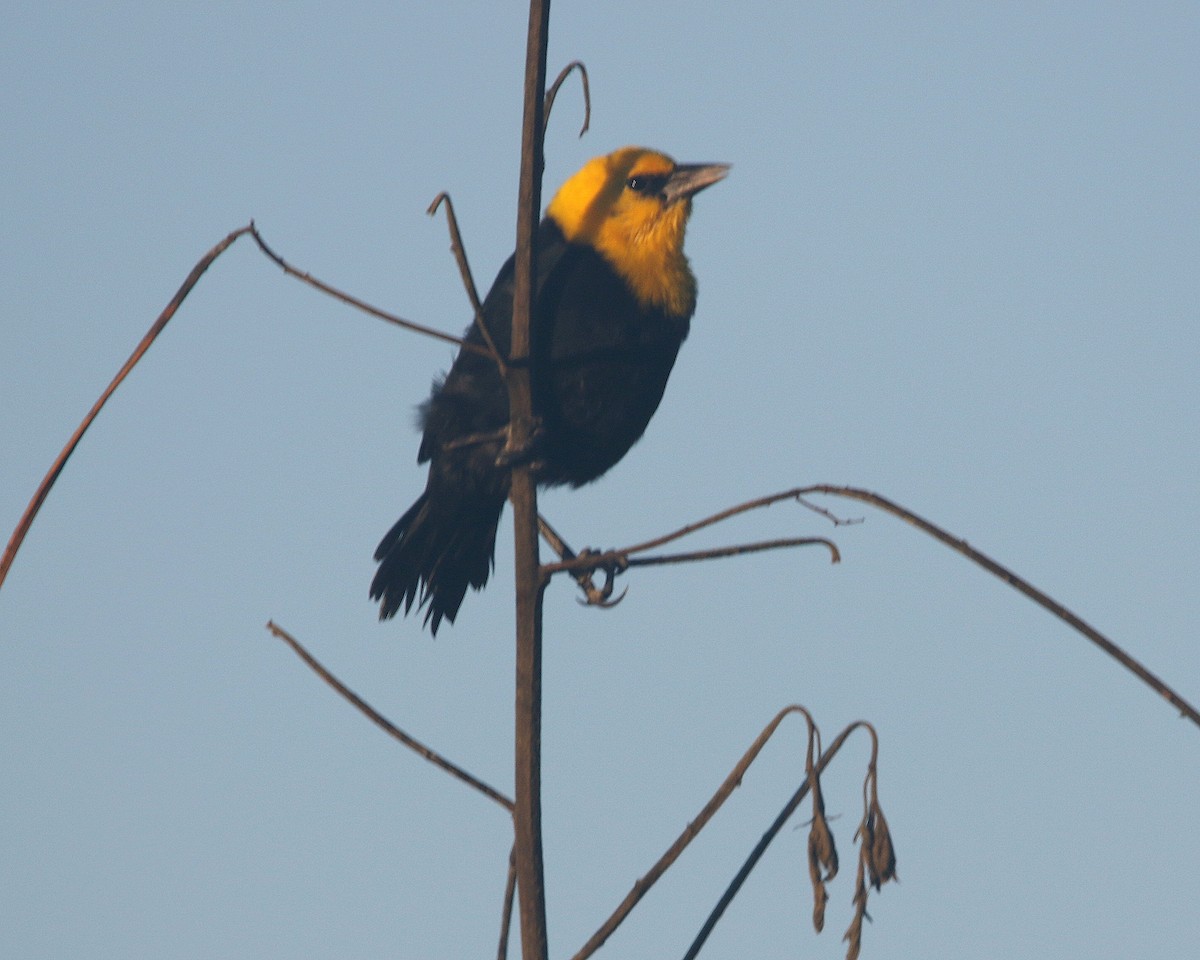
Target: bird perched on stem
[613,299]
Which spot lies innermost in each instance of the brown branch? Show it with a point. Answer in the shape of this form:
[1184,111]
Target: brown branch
[43,490]
[738,550]
[386,725]
[464,269]
[715,518]
[587,94]
[798,494]
[1016,582]
[529,585]
[620,559]
[731,783]
[613,562]
[510,890]
[362,304]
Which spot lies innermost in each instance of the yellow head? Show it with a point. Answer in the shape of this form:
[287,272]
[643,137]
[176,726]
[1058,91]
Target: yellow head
[632,206]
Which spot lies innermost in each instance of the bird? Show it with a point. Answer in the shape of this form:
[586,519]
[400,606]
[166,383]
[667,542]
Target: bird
[613,300]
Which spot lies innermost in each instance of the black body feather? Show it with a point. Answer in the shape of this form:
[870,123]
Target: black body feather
[601,363]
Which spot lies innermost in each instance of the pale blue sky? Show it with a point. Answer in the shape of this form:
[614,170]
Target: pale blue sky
[956,262]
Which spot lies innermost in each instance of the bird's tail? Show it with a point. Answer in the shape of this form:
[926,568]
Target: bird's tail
[441,545]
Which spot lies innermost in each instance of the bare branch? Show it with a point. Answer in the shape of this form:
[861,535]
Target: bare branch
[620,559]
[510,890]
[587,94]
[362,304]
[464,269]
[529,584]
[386,725]
[43,490]
[756,504]
[591,561]
[1013,580]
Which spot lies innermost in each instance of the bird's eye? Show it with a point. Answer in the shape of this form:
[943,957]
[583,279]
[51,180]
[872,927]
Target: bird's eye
[646,184]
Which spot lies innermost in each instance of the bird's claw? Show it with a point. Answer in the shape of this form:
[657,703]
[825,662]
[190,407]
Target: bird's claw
[602,596]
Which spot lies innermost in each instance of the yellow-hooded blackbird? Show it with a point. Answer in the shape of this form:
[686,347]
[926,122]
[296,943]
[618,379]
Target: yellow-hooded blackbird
[613,300]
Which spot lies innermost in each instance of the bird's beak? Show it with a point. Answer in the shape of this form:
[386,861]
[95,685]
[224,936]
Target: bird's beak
[688,179]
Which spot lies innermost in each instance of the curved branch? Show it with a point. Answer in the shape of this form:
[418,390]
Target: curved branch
[756,504]
[386,725]
[622,557]
[362,304]
[587,94]
[797,494]
[1017,583]
[43,490]
[464,269]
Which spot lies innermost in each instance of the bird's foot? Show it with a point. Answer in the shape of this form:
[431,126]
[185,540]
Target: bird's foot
[517,455]
[602,596]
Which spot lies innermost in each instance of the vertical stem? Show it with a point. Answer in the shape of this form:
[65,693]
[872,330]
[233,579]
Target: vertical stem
[527,813]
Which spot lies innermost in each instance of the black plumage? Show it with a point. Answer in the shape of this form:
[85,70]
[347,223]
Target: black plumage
[602,354]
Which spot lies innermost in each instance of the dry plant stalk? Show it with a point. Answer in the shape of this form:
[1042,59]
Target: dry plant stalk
[43,490]
[530,587]
[829,865]
[437,759]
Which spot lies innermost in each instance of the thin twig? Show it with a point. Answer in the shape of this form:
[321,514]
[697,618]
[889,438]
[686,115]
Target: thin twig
[761,847]
[756,504]
[464,269]
[587,94]
[362,304]
[506,912]
[43,490]
[386,725]
[731,782]
[620,559]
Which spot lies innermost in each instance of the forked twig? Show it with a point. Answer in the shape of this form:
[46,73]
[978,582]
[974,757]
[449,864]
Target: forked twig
[731,782]
[606,560]
[613,562]
[43,490]
[621,560]
[386,725]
